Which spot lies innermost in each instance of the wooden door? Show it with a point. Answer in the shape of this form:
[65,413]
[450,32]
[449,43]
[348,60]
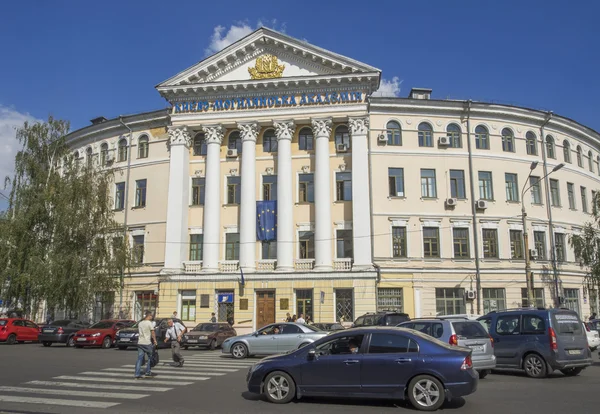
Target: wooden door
[265,308]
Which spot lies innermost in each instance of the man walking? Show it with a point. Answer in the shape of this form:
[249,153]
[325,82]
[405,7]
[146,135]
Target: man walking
[174,333]
[146,342]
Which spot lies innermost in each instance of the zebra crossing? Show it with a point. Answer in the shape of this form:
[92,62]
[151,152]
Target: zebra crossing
[112,386]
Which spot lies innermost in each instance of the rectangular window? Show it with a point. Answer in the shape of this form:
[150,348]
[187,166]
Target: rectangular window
[188,305]
[486,191]
[554,193]
[494,299]
[389,299]
[305,140]
[204,300]
[490,243]
[226,310]
[536,190]
[304,302]
[584,205]
[561,248]
[516,244]
[457,184]
[233,190]
[431,242]
[269,250]
[343,186]
[140,193]
[138,249]
[450,301]
[593,199]
[344,305]
[428,184]
[344,244]
[196,247]
[461,243]
[538,298]
[198,191]
[269,187]
[572,299]
[539,239]
[512,187]
[396,182]
[571,195]
[399,241]
[232,246]
[119,196]
[307,245]
[306,187]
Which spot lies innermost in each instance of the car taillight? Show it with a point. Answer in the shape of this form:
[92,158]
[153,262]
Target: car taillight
[453,340]
[40,329]
[492,341]
[467,363]
[553,344]
[60,331]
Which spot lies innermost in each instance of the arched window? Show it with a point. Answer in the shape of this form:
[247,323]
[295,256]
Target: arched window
[305,139]
[104,154]
[76,157]
[269,141]
[531,143]
[89,155]
[482,137]
[123,150]
[199,146]
[143,146]
[508,140]
[550,147]
[235,142]
[394,133]
[567,151]
[342,136]
[590,161]
[454,135]
[579,156]
[425,135]
[598,164]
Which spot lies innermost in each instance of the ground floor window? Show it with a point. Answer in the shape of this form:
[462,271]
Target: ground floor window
[450,301]
[188,305]
[104,306]
[144,301]
[304,303]
[593,301]
[389,299]
[538,297]
[344,305]
[494,299]
[225,307]
[572,300]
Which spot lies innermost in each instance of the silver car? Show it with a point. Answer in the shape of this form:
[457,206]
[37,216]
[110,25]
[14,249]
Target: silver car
[461,332]
[276,338]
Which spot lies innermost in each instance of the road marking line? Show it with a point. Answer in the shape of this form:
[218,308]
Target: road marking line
[74,393]
[192,366]
[201,364]
[120,375]
[212,361]
[170,371]
[52,401]
[99,386]
[150,381]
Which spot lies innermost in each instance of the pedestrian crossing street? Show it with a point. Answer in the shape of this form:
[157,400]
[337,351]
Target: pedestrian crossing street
[110,387]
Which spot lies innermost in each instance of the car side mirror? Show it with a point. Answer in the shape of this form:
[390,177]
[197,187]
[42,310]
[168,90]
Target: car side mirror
[255,333]
[312,355]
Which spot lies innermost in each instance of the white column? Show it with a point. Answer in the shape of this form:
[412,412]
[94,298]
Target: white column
[176,240]
[249,132]
[285,202]
[323,224]
[361,207]
[212,201]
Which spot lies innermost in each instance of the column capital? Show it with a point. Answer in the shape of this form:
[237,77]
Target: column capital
[179,136]
[321,126]
[359,125]
[248,131]
[284,129]
[214,133]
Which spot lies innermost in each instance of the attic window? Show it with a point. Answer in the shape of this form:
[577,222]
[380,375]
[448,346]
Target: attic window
[420,93]
[98,120]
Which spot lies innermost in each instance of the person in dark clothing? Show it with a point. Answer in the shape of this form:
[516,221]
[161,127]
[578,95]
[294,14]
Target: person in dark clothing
[593,316]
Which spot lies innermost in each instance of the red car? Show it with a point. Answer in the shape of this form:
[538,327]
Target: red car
[101,333]
[13,330]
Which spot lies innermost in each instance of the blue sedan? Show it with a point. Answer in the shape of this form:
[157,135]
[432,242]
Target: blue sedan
[374,362]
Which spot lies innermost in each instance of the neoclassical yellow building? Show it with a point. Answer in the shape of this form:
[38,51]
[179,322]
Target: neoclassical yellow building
[277,183]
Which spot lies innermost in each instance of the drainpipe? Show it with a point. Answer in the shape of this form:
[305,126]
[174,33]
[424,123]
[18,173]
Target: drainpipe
[473,209]
[549,210]
[126,206]
[370,172]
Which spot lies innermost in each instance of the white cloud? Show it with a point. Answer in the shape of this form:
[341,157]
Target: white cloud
[388,88]
[223,37]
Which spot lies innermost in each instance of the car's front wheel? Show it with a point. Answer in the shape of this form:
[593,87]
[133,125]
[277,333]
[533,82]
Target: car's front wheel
[571,372]
[426,393]
[239,350]
[46,343]
[107,342]
[12,339]
[535,366]
[279,388]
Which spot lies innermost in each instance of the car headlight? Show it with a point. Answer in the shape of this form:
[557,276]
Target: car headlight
[136,335]
[96,334]
[203,337]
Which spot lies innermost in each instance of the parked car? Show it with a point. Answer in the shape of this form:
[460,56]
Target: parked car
[329,326]
[460,332]
[593,337]
[101,334]
[381,319]
[62,332]
[539,341]
[390,363]
[13,330]
[210,335]
[595,324]
[276,338]
[129,336]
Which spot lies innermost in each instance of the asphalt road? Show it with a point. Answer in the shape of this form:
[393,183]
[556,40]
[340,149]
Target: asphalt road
[211,383]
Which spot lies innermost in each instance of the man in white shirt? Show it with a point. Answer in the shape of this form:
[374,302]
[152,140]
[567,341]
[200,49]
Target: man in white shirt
[145,345]
[174,333]
[301,319]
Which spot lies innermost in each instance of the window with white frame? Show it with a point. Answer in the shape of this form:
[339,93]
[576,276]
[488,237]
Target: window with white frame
[198,191]
[431,242]
[196,241]
[428,183]
[119,196]
[554,193]
[343,186]
[531,143]
[140,193]
[425,135]
[579,157]
[512,187]
[307,244]
[394,133]
[486,189]
[269,187]
[138,249]
[104,154]
[571,195]
[536,190]
[234,189]
[188,305]
[508,140]
[450,301]
[571,300]
[122,150]
[199,145]
[342,136]
[516,244]
[344,244]
[561,247]
[539,239]
[457,184]
[584,204]
[490,243]
[453,133]
[398,241]
[344,305]
[461,242]
[235,141]
[482,137]
[232,246]
[306,188]
[143,146]
[538,298]
[494,299]
[550,152]
[390,299]
[396,182]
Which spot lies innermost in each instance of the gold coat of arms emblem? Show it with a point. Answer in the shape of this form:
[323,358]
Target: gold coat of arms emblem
[266,67]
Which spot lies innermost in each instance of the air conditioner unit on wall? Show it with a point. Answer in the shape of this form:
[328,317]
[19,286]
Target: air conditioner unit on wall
[533,254]
[444,141]
[342,148]
[232,153]
[470,294]
[382,138]
[481,204]
[451,202]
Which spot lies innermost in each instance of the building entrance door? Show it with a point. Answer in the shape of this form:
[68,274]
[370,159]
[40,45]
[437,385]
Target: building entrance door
[265,308]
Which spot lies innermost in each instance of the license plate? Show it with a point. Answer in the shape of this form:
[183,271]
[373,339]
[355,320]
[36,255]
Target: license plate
[193,341]
[477,348]
[574,352]
[125,339]
[81,339]
[48,330]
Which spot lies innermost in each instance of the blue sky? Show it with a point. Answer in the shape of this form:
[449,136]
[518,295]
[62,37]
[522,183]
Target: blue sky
[78,60]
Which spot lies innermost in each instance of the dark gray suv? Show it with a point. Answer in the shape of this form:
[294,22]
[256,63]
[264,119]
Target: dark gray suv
[386,318]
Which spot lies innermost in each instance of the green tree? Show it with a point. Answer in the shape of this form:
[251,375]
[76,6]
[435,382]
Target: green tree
[59,242]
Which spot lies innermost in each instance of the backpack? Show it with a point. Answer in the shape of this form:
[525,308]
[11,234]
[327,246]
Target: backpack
[154,359]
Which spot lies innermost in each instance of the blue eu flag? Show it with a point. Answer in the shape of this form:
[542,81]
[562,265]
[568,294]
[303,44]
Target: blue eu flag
[266,220]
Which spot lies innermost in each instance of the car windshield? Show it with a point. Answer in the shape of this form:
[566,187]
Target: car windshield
[208,327]
[393,320]
[566,323]
[470,330]
[426,337]
[102,325]
[3,322]
[60,323]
